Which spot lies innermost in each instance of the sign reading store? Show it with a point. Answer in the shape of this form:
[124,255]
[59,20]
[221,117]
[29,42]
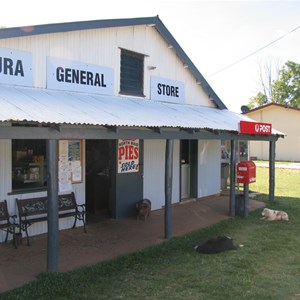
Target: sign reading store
[75,76]
[167,90]
[15,67]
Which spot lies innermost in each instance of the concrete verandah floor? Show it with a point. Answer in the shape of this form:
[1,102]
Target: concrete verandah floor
[106,239]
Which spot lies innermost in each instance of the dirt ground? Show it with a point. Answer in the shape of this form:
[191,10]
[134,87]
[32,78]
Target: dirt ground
[106,239]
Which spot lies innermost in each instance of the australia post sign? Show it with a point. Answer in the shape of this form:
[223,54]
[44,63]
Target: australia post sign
[128,155]
[255,127]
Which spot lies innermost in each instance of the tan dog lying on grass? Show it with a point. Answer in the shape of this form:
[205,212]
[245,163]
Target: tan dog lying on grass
[273,215]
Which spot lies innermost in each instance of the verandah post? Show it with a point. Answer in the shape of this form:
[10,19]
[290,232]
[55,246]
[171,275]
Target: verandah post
[168,188]
[233,144]
[52,194]
[272,171]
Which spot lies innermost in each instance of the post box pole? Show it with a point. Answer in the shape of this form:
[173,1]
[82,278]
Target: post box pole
[246,200]
[233,144]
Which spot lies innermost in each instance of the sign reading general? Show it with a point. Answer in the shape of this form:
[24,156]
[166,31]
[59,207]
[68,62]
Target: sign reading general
[255,127]
[15,67]
[167,90]
[75,76]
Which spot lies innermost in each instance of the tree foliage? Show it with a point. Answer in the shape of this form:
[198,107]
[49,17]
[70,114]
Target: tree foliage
[284,90]
[258,100]
[287,88]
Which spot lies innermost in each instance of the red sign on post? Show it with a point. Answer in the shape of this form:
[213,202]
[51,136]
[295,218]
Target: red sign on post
[255,127]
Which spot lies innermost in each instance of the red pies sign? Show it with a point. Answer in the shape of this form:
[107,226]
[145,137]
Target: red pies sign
[255,127]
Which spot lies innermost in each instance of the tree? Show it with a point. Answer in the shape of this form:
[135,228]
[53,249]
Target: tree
[258,100]
[287,87]
[283,90]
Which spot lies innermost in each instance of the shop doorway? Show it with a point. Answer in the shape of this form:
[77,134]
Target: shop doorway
[98,179]
[188,171]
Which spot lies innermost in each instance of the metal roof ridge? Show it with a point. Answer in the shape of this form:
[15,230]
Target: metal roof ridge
[28,30]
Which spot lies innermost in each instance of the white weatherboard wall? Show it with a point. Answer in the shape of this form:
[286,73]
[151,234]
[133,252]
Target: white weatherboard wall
[5,180]
[5,190]
[209,167]
[102,47]
[154,172]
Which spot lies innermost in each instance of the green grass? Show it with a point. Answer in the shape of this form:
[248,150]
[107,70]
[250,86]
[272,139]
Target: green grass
[287,182]
[277,162]
[267,267]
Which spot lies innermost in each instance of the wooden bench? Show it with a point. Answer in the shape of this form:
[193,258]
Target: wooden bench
[8,222]
[35,210]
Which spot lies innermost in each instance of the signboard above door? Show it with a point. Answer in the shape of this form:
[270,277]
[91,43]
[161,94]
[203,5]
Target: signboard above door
[166,90]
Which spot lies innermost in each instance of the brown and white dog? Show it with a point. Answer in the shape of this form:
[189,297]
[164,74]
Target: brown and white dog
[143,209]
[273,215]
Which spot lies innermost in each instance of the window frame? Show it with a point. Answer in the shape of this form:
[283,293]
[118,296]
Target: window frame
[25,164]
[128,63]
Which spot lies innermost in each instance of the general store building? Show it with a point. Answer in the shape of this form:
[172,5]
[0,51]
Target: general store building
[110,94]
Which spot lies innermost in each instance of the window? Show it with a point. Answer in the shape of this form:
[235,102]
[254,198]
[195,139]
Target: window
[132,73]
[185,152]
[28,164]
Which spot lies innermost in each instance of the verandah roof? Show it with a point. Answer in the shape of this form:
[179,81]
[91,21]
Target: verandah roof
[45,106]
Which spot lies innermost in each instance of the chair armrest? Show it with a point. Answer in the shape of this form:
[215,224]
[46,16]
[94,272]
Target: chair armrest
[12,219]
[81,207]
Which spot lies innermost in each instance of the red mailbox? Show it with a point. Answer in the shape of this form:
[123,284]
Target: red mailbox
[246,172]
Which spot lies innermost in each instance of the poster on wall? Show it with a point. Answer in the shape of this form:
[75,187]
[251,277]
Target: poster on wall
[69,164]
[128,155]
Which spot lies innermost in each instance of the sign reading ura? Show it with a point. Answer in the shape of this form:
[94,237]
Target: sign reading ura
[15,67]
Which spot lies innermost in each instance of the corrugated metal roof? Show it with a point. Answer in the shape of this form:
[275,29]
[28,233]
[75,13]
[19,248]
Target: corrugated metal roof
[60,107]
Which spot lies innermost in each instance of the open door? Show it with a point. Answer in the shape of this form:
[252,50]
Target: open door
[188,171]
[98,178]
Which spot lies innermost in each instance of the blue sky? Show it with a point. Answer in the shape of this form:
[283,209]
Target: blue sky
[214,34]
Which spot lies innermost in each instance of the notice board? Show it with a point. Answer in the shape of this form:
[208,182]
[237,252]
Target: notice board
[69,164]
